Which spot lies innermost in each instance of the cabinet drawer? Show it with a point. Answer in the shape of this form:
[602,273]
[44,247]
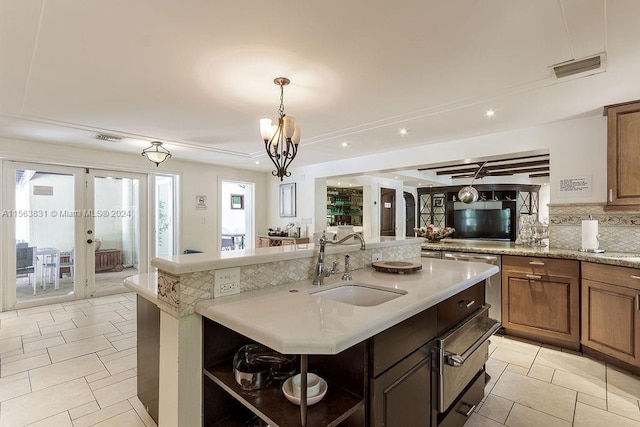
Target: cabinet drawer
[541,266]
[455,309]
[621,276]
[462,409]
[394,344]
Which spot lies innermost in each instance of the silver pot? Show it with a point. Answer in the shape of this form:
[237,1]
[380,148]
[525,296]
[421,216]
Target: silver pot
[468,194]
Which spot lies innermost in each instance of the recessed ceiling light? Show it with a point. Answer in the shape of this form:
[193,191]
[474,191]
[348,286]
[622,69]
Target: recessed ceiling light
[345,144]
[338,183]
[489,113]
[403,132]
[257,162]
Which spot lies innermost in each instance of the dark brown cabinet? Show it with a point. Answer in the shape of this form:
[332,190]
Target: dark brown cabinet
[623,151]
[611,312]
[541,299]
[402,396]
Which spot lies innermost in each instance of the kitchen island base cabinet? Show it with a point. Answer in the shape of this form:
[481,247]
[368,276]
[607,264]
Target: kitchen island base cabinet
[611,311]
[541,299]
[225,403]
[148,355]
[402,395]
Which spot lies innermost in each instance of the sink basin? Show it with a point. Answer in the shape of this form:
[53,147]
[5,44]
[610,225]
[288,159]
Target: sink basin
[359,294]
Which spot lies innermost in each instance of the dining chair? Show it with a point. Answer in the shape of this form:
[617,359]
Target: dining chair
[26,262]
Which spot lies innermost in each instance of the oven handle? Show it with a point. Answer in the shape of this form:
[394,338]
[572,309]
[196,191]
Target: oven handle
[458,360]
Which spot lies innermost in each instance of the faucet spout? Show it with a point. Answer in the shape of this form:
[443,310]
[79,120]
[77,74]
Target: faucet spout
[321,272]
[363,246]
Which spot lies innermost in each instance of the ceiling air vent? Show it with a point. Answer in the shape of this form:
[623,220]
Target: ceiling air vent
[579,66]
[108,138]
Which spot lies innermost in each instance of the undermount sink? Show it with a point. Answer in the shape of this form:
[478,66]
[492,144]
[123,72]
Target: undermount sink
[359,294]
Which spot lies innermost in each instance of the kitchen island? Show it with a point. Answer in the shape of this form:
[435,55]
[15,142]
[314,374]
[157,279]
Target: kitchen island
[266,312]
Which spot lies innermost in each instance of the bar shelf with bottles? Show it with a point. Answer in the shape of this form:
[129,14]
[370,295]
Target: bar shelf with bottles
[344,206]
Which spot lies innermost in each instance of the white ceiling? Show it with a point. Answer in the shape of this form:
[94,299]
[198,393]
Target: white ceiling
[197,74]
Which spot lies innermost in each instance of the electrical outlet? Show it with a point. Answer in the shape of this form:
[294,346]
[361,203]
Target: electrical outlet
[226,282]
[377,257]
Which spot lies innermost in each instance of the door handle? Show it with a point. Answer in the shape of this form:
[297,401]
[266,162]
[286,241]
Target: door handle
[635,277]
[89,241]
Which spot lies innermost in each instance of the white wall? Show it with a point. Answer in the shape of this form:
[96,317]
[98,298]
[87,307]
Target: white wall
[199,228]
[577,147]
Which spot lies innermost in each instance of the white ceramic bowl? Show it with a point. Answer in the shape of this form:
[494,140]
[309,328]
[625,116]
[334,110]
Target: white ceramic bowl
[287,390]
[313,385]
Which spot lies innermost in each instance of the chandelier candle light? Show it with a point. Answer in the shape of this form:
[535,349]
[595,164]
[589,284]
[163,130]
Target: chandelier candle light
[281,141]
[156,153]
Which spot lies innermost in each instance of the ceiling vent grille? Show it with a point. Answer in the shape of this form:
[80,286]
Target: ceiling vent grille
[577,67]
[108,138]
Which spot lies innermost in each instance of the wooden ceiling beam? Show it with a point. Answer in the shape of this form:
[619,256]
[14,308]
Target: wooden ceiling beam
[488,162]
[510,166]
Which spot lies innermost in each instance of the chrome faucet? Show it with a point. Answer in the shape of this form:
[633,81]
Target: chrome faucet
[321,273]
[347,274]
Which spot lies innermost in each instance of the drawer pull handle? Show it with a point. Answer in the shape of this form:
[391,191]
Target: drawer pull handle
[536,263]
[533,276]
[635,277]
[469,411]
[469,304]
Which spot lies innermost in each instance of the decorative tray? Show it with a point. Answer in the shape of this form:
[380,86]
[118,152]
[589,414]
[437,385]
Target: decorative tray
[398,267]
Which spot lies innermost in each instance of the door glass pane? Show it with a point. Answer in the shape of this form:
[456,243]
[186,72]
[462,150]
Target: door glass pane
[116,232]
[165,208]
[44,218]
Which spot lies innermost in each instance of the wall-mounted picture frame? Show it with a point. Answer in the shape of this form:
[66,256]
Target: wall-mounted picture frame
[288,200]
[237,201]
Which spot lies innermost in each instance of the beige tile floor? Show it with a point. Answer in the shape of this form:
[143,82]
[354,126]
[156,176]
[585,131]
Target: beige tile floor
[71,364]
[74,364]
[539,385]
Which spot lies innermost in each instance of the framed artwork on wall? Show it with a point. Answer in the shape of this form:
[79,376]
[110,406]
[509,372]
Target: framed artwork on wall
[288,200]
[237,201]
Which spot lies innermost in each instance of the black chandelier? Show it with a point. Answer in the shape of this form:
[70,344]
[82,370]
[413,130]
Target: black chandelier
[281,141]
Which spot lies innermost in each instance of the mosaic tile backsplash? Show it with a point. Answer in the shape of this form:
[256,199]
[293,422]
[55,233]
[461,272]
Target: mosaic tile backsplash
[618,231]
[179,294]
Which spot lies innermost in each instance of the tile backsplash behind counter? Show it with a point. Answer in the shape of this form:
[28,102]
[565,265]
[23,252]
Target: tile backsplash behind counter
[619,231]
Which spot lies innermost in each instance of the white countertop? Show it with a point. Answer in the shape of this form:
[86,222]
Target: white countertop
[300,323]
[183,264]
[145,285]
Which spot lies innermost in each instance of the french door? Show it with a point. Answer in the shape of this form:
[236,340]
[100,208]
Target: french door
[70,233]
[115,235]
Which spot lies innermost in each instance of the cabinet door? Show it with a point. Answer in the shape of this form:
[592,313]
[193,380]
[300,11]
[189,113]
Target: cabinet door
[623,151]
[264,242]
[541,306]
[401,396]
[611,320]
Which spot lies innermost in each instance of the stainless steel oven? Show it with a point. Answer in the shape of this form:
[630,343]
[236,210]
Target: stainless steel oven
[462,353]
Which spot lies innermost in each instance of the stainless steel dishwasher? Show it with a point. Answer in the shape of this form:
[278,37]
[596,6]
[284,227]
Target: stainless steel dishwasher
[493,287]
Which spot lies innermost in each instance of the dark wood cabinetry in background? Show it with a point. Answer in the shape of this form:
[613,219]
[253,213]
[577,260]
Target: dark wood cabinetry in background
[436,205]
[623,152]
[541,299]
[611,311]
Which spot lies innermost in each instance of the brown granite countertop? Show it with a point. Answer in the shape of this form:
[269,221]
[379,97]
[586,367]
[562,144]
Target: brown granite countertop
[509,248]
